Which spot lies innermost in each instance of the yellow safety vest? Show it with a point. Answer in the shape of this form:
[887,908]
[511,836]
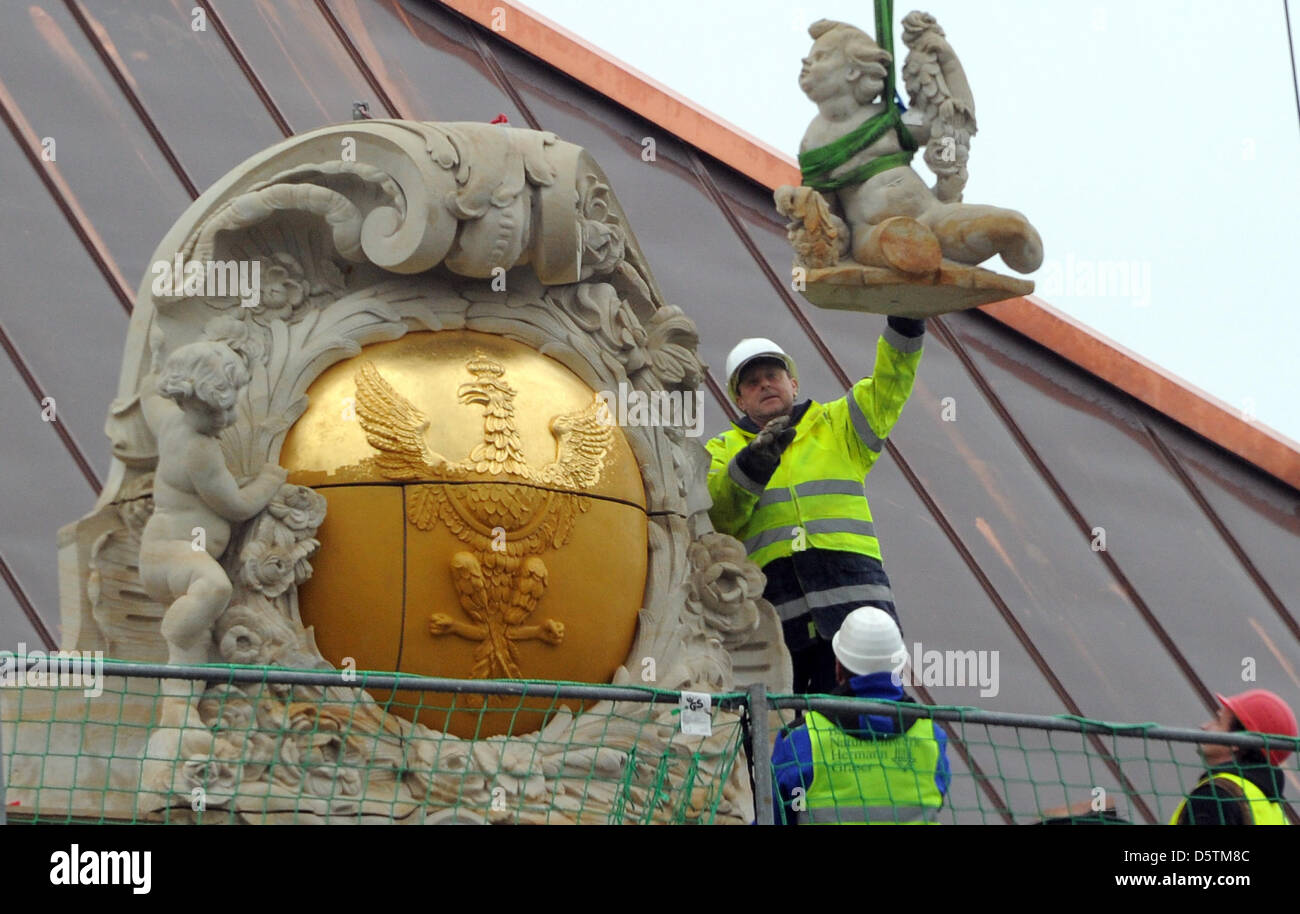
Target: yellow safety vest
[1263,811]
[816,498]
[872,781]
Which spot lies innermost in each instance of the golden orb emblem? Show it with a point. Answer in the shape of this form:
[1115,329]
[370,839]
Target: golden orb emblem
[484,521]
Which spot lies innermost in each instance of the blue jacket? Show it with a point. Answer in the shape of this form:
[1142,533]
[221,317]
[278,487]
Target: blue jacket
[792,765]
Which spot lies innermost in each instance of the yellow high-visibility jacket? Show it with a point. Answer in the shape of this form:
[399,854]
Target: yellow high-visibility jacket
[816,499]
[886,781]
[1259,809]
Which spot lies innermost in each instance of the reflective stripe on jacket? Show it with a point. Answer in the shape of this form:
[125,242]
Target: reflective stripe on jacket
[881,781]
[1263,811]
[815,499]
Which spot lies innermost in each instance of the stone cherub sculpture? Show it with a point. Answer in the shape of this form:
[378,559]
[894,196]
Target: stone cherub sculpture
[860,197]
[196,498]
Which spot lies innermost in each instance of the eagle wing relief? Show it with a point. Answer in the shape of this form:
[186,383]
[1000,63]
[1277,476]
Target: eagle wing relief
[583,439]
[396,429]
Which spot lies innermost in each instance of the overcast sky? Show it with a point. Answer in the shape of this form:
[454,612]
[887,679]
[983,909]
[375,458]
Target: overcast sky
[1155,134]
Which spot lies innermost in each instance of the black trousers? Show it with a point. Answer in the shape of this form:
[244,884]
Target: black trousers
[814,668]
[808,637]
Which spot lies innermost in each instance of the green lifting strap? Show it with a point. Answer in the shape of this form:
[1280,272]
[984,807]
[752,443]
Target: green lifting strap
[815,165]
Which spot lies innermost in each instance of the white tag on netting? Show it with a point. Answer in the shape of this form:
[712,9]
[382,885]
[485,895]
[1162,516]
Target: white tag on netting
[697,717]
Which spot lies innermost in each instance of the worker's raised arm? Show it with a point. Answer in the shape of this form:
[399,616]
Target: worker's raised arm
[875,403]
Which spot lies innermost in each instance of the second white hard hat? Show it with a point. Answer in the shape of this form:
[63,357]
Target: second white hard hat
[746,351]
[869,642]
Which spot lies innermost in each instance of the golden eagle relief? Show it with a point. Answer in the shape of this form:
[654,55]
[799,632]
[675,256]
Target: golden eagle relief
[506,511]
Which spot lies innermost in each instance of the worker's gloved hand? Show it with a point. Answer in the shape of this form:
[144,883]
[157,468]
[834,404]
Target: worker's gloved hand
[763,453]
[907,326]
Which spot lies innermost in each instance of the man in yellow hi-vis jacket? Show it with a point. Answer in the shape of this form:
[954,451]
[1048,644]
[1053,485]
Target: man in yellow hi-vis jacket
[787,481]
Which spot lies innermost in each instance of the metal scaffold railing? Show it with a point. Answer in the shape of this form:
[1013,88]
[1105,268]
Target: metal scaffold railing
[85,741]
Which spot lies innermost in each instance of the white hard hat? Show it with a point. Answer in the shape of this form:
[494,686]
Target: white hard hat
[746,351]
[869,642]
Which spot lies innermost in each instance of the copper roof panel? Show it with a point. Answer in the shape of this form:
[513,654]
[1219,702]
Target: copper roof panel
[108,159]
[426,62]
[156,44]
[42,490]
[1096,445]
[15,629]
[943,607]
[1261,514]
[296,55]
[58,313]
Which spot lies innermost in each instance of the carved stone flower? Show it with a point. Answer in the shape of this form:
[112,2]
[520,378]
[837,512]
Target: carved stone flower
[287,769]
[254,628]
[603,239]
[629,337]
[299,508]
[301,567]
[603,247]
[243,645]
[671,341]
[724,584]
[283,289]
[268,569]
[135,503]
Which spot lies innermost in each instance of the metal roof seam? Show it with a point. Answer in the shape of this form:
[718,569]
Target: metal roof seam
[976,769]
[246,68]
[64,198]
[69,443]
[1067,503]
[1222,528]
[1012,622]
[131,96]
[498,72]
[354,52]
[25,603]
[1148,383]
[634,90]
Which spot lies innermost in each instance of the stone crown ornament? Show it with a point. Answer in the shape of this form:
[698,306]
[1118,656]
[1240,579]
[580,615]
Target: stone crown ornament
[430,317]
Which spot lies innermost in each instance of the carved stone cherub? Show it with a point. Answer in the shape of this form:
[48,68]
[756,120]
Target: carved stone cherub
[859,195]
[196,498]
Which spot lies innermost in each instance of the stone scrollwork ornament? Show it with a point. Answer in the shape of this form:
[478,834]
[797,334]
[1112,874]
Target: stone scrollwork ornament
[868,234]
[293,273]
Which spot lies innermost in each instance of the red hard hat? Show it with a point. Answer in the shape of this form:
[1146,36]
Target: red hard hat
[1260,711]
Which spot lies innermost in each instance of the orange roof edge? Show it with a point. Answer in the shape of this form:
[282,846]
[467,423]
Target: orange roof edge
[1163,391]
[630,88]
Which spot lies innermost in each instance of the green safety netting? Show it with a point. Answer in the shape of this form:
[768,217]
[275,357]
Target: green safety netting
[246,745]
[1027,772]
[277,752]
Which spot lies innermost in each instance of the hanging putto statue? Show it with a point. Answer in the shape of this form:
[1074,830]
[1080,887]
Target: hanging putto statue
[868,233]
